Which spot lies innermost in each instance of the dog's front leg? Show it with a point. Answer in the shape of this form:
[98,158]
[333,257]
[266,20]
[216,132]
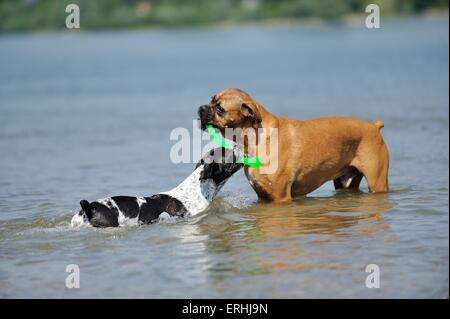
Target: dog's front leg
[280,191]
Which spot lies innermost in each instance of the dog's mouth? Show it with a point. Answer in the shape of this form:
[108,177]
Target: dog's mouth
[203,124]
[205,117]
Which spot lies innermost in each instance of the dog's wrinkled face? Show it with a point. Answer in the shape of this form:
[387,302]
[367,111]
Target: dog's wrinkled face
[230,108]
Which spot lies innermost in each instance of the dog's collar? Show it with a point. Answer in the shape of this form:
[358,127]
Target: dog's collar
[254,162]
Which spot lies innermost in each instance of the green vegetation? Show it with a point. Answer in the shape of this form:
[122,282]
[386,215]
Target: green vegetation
[17,15]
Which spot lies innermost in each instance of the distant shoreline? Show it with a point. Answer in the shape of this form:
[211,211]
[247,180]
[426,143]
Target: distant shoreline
[352,19]
[348,20]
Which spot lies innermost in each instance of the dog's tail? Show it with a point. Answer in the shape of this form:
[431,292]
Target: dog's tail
[86,207]
[378,124]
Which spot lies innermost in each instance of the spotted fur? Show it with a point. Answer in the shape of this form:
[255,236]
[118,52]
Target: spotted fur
[189,198]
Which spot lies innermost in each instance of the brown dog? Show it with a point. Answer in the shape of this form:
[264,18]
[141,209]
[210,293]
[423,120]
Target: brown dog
[310,152]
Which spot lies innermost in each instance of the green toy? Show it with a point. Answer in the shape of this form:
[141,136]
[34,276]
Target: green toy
[253,162]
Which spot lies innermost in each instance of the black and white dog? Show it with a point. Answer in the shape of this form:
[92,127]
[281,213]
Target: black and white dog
[189,198]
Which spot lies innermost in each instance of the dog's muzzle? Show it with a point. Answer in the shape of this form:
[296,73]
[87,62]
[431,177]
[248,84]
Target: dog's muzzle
[204,115]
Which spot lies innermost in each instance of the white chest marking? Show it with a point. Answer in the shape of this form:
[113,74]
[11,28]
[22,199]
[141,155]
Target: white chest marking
[194,193]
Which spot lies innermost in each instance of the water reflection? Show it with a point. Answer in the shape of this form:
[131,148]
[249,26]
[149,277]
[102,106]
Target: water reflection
[326,216]
[269,237]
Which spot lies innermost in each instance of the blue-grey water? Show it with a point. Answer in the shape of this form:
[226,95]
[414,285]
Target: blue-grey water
[88,115]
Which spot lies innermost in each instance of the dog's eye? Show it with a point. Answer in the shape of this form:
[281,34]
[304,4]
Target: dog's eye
[220,110]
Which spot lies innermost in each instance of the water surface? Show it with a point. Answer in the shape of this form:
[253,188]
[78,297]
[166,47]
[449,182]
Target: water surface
[88,115]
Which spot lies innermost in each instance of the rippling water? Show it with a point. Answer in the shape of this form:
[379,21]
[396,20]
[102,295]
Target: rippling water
[88,115]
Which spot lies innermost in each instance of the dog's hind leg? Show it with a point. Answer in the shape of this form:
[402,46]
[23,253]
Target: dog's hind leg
[377,178]
[349,180]
[373,163]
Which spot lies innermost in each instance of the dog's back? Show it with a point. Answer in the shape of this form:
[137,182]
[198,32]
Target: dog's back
[119,210]
[192,196]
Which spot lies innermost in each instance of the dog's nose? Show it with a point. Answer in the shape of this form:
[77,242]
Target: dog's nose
[202,109]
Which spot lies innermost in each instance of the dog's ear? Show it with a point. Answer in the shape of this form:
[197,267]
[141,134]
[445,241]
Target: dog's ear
[250,110]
